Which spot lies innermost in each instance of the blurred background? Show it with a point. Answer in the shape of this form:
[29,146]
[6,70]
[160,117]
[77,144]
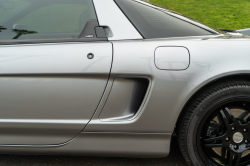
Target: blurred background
[220,14]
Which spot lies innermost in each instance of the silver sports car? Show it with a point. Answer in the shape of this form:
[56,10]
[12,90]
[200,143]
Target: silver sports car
[120,78]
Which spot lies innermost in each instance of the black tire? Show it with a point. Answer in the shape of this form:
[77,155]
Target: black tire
[199,108]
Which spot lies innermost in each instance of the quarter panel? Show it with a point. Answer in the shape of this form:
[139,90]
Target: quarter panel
[172,58]
[125,98]
[212,57]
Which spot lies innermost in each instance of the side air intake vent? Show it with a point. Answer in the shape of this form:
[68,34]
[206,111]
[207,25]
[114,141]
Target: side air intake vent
[125,99]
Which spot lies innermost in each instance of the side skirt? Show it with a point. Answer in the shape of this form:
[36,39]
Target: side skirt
[102,144]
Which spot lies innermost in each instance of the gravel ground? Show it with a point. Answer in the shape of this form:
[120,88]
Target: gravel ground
[174,159]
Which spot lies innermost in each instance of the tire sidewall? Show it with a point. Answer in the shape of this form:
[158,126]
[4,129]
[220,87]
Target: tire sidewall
[202,109]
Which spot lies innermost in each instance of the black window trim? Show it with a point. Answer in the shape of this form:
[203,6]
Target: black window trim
[129,19]
[209,29]
[53,40]
[171,12]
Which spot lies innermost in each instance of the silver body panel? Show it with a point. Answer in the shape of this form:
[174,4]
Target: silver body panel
[53,98]
[172,58]
[56,58]
[45,90]
[103,144]
[170,90]
[122,100]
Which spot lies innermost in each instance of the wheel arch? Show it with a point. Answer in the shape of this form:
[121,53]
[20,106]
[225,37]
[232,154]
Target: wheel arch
[243,76]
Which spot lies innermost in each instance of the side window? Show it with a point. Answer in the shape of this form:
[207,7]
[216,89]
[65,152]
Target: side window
[31,19]
[8,8]
[155,23]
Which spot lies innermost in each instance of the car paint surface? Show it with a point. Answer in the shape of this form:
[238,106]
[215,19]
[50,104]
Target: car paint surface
[172,58]
[148,133]
[45,90]
[170,90]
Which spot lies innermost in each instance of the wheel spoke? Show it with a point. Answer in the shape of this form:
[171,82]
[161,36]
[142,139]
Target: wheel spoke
[243,115]
[212,145]
[248,119]
[236,160]
[233,160]
[229,158]
[230,115]
[213,139]
[226,122]
[220,119]
[223,152]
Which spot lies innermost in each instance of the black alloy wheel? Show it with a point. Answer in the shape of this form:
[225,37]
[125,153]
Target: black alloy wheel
[224,134]
[214,129]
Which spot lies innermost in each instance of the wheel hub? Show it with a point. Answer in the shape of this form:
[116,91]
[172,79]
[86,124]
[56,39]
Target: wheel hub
[238,137]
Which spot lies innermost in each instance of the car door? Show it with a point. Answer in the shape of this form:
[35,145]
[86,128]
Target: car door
[54,66]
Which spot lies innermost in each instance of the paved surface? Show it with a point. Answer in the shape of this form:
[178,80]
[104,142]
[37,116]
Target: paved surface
[174,159]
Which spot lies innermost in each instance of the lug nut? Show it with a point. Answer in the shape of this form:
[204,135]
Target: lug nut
[245,130]
[235,146]
[246,141]
[227,139]
[233,128]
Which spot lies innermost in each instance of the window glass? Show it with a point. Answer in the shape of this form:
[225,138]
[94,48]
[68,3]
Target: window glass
[155,23]
[41,19]
[7,8]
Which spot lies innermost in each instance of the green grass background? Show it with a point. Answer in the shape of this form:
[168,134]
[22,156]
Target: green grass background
[220,14]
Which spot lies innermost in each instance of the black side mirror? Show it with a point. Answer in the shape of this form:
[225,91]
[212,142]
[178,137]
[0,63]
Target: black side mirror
[92,30]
